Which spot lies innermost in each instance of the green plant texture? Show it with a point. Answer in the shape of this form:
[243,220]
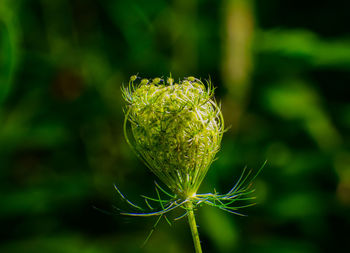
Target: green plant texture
[176,128]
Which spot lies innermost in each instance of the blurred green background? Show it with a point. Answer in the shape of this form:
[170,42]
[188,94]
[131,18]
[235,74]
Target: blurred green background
[282,71]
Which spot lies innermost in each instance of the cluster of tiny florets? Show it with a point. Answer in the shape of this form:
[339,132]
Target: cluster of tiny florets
[176,129]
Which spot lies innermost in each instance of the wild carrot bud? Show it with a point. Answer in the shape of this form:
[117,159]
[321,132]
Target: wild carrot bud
[175,129]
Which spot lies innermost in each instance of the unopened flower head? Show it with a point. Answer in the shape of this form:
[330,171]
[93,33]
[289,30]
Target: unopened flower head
[175,129]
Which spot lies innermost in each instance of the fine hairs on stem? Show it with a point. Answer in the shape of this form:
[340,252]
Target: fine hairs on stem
[175,129]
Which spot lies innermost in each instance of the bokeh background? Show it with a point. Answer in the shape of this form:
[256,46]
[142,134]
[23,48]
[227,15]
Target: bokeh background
[282,71]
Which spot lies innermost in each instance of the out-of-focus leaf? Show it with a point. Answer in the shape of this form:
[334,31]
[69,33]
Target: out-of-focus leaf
[220,228]
[297,101]
[298,205]
[20,126]
[9,36]
[40,200]
[307,46]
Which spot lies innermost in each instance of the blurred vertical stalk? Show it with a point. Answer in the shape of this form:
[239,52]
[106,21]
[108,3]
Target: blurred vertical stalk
[185,33]
[238,22]
[9,45]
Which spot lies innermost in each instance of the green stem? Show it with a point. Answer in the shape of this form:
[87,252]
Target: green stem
[193,226]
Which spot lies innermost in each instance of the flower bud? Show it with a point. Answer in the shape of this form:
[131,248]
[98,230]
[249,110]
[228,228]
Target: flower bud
[175,129]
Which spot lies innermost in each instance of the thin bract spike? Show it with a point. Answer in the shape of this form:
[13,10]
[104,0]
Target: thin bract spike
[239,214]
[102,211]
[239,180]
[239,186]
[167,220]
[153,199]
[262,166]
[159,198]
[171,207]
[147,203]
[164,191]
[210,203]
[151,232]
[238,194]
[128,201]
[240,207]
[181,216]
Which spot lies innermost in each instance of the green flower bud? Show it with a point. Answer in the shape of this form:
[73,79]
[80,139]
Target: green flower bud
[175,128]
[133,78]
[156,80]
[170,81]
